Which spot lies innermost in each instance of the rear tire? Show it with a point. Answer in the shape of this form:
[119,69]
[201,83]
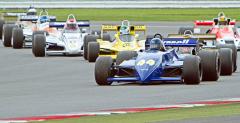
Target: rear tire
[87,39]
[38,48]
[234,54]
[2,22]
[103,68]
[17,38]
[211,66]
[93,51]
[183,29]
[106,37]
[96,33]
[226,61]
[125,55]
[192,70]
[7,33]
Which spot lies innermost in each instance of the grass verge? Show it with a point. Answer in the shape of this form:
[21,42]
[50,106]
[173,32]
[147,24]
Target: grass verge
[140,14]
[156,116]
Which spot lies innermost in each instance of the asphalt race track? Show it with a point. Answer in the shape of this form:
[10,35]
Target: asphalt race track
[32,86]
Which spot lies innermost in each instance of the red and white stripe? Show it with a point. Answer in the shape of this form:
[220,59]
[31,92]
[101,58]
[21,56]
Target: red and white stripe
[120,111]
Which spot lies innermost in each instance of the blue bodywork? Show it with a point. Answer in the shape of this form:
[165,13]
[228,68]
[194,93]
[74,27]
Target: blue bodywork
[155,65]
[80,23]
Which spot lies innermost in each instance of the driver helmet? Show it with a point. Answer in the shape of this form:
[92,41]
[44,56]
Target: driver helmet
[44,19]
[124,30]
[71,24]
[222,20]
[157,44]
[32,11]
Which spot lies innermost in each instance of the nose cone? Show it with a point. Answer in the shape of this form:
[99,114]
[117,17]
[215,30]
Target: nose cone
[145,68]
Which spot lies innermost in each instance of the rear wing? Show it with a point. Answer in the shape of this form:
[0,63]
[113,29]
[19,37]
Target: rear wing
[35,18]
[180,42]
[12,16]
[109,28]
[28,18]
[80,23]
[211,23]
[117,28]
[200,37]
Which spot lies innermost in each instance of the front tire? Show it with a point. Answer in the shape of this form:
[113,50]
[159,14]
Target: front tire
[192,70]
[103,68]
[39,42]
[7,33]
[87,39]
[234,54]
[226,61]
[2,22]
[93,51]
[17,38]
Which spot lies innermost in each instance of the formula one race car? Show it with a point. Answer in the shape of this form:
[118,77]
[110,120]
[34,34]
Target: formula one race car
[223,28]
[10,17]
[125,39]
[68,41]
[158,63]
[20,34]
[225,59]
[216,36]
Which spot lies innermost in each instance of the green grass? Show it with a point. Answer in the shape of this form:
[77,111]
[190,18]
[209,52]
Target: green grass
[142,14]
[153,116]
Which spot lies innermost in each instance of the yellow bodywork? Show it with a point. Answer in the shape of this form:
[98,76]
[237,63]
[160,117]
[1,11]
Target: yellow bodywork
[112,48]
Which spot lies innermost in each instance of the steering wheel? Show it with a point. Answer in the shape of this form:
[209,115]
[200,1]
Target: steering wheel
[157,35]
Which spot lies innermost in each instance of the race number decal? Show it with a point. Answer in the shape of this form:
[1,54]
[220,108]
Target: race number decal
[149,62]
[126,45]
[141,62]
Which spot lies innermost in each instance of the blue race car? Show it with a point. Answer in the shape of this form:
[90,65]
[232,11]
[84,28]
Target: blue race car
[155,64]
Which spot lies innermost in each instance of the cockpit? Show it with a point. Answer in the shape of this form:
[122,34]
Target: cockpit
[32,11]
[44,19]
[71,25]
[126,37]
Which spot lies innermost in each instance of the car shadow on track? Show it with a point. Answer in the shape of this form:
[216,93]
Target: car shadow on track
[162,84]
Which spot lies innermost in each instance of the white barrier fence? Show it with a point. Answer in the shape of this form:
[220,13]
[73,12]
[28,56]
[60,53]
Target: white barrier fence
[120,4]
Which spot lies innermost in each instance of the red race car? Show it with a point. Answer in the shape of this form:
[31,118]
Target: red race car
[227,35]
[223,27]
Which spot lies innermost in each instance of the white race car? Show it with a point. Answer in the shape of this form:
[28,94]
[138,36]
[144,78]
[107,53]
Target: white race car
[19,34]
[67,40]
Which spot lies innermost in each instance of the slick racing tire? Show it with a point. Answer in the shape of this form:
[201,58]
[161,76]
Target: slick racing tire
[2,22]
[37,32]
[211,65]
[17,38]
[103,68]
[106,37]
[93,51]
[7,34]
[39,42]
[96,33]
[183,29]
[234,54]
[192,70]
[226,61]
[125,55]
[87,39]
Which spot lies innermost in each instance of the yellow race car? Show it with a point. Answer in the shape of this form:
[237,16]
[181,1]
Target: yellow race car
[126,38]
